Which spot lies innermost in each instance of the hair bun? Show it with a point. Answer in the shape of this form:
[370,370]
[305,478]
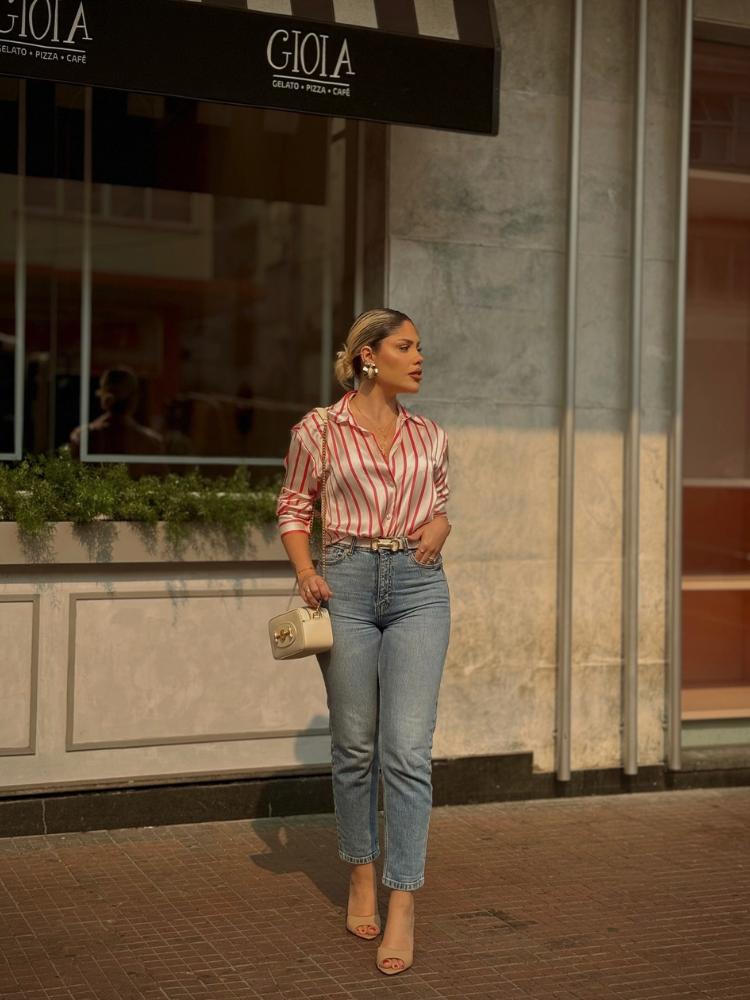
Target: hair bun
[344,369]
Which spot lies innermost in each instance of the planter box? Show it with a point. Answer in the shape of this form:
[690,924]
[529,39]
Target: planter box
[122,542]
[128,660]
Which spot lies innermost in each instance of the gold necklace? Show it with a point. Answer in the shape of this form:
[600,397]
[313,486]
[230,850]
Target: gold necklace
[383,437]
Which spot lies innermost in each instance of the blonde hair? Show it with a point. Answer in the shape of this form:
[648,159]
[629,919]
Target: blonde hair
[367,330]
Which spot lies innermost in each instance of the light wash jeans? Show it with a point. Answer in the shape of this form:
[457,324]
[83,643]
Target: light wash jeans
[391,622]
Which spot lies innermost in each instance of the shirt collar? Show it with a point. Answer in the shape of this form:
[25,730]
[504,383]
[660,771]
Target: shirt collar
[340,414]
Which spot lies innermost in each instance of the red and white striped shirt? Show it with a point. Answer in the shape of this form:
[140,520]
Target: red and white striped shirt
[368,494]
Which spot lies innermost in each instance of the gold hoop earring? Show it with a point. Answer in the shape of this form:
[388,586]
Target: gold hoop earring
[369,370]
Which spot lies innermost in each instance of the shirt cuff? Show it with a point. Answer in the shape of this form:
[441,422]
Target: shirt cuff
[289,526]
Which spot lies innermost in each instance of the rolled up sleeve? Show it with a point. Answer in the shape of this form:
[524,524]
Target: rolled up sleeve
[442,487]
[294,508]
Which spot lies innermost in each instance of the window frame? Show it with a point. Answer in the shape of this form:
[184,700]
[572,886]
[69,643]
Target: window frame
[19,347]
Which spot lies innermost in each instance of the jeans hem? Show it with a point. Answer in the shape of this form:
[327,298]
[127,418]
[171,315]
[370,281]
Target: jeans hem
[359,861]
[393,883]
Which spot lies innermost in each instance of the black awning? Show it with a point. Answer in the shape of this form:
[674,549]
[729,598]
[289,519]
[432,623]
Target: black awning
[434,63]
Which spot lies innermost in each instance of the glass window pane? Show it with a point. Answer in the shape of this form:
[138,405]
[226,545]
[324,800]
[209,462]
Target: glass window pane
[54,246]
[716,653]
[720,105]
[716,530]
[716,451]
[209,307]
[222,261]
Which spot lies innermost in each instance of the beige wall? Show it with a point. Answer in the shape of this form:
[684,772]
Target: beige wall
[477,239]
[478,231]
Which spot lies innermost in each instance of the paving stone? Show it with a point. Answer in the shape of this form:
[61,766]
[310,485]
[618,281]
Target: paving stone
[629,897]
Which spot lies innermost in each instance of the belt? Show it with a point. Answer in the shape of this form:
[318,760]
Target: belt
[379,544]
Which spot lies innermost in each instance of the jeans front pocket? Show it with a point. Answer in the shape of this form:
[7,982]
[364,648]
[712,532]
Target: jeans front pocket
[425,566]
[335,554]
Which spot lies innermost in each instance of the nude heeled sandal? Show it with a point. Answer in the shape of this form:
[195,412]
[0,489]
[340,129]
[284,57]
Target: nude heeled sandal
[405,955]
[353,921]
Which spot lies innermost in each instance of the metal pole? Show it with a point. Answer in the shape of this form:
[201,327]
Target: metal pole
[54,320]
[387,221]
[20,286]
[567,429]
[359,272]
[631,546]
[673,693]
[326,318]
[86,284]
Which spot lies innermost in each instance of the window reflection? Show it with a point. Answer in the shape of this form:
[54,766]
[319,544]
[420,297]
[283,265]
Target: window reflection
[117,430]
[214,293]
[217,242]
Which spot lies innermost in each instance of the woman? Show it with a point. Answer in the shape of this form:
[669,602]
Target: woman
[388,599]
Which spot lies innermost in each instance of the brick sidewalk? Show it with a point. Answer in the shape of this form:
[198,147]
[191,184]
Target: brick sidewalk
[634,897]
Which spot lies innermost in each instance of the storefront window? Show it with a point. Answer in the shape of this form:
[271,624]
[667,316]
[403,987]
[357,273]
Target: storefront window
[716,555]
[184,267]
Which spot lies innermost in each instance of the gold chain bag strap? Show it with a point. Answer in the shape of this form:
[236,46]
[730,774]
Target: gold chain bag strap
[306,631]
[323,412]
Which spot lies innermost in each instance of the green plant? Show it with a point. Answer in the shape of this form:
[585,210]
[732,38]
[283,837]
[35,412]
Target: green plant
[41,490]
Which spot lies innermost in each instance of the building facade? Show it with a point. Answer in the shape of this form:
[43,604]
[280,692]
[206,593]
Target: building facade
[578,275]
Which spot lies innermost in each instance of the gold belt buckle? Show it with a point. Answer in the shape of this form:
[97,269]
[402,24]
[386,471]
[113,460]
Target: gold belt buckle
[394,544]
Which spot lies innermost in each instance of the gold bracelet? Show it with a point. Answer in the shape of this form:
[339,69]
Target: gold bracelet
[304,569]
